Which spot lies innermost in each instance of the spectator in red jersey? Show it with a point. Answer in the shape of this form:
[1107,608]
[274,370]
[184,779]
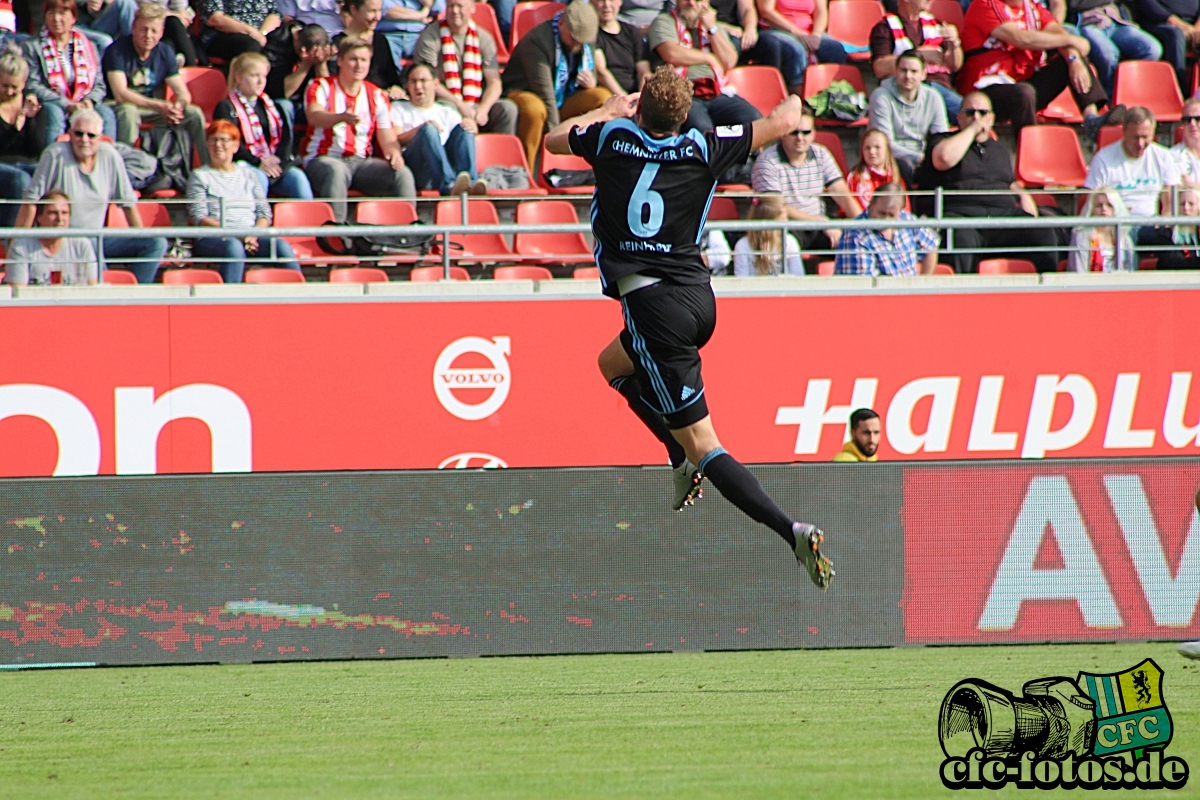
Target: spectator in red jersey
[1022,59]
[912,27]
[345,112]
[876,166]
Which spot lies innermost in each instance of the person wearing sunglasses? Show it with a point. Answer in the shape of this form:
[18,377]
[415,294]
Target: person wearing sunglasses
[1188,151]
[803,171]
[90,171]
[977,173]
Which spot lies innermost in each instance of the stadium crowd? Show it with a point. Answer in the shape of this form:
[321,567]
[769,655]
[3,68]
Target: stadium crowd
[112,100]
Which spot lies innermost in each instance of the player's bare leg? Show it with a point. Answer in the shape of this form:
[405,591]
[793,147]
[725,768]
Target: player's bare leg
[741,488]
[617,368]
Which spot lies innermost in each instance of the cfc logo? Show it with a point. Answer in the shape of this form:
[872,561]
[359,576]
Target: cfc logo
[1108,731]
[447,378]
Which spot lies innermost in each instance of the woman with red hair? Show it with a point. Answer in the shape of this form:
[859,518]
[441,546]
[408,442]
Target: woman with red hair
[227,194]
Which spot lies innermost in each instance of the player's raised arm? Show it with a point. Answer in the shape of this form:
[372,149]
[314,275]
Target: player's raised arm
[783,118]
[615,107]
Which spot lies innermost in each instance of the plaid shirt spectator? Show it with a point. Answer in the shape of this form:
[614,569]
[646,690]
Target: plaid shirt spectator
[867,252]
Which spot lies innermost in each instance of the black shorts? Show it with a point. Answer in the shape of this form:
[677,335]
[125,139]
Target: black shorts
[665,326]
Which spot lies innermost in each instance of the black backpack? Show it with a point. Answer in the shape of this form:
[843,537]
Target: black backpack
[376,245]
[172,146]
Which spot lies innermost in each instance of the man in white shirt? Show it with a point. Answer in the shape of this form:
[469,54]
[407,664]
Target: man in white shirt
[1138,168]
[345,112]
[438,142]
[1188,151]
[37,260]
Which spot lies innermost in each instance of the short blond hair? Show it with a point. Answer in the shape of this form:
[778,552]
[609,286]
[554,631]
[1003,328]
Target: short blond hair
[151,12]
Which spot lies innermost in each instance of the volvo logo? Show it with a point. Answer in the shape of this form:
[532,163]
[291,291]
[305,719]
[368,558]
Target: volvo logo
[447,379]
[473,461]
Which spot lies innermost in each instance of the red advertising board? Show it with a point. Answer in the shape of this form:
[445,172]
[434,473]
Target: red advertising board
[1046,552]
[389,384]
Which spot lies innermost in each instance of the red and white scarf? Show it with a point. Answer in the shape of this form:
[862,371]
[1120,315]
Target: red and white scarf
[261,144]
[466,80]
[686,40]
[83,60]
[931,34]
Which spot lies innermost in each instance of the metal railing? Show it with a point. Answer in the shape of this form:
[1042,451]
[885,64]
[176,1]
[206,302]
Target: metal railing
[444,234]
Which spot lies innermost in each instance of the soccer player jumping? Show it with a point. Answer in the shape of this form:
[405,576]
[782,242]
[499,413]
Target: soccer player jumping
[653,188]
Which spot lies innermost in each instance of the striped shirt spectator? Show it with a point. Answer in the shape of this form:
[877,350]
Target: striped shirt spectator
[344,113]
[370,105]
[801,170]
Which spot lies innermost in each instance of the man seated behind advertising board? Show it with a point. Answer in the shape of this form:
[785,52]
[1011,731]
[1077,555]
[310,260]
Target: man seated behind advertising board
[35,261]
[865,433]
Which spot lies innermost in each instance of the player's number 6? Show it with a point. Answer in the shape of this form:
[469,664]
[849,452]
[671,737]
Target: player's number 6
[644,196]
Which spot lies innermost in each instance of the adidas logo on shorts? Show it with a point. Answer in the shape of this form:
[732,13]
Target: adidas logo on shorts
[686,393]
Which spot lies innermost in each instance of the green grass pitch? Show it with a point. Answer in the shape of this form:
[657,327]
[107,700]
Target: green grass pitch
[787,724]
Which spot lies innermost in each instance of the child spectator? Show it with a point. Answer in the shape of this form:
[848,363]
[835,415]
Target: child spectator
[295,61]
[1182,240]
[266,133]
[1093,248]
[763,252]
[876,166]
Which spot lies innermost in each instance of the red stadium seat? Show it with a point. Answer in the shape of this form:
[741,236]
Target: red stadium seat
[385,212]
[1108,134]
[943,269]
[948,11]
[817,78]
[1062,109]
[1003,266]
[723,208]
[550,248]
[833,143]
[1148,263]
[190,276]
[273,275]
[1049,155]
[208,87]
[522,274]
[586,273]
[475,246]
[116,217]
[357,275]
[527,16]
[551,161]
[504,150]
[119,277]
[484,16]
[308,213]
[760,86]
[1151,84]
[154,215]
[851,21]
[430,274]
[825,267]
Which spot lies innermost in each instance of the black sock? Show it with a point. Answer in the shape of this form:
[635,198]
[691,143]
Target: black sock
[631,389]
[738,486]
